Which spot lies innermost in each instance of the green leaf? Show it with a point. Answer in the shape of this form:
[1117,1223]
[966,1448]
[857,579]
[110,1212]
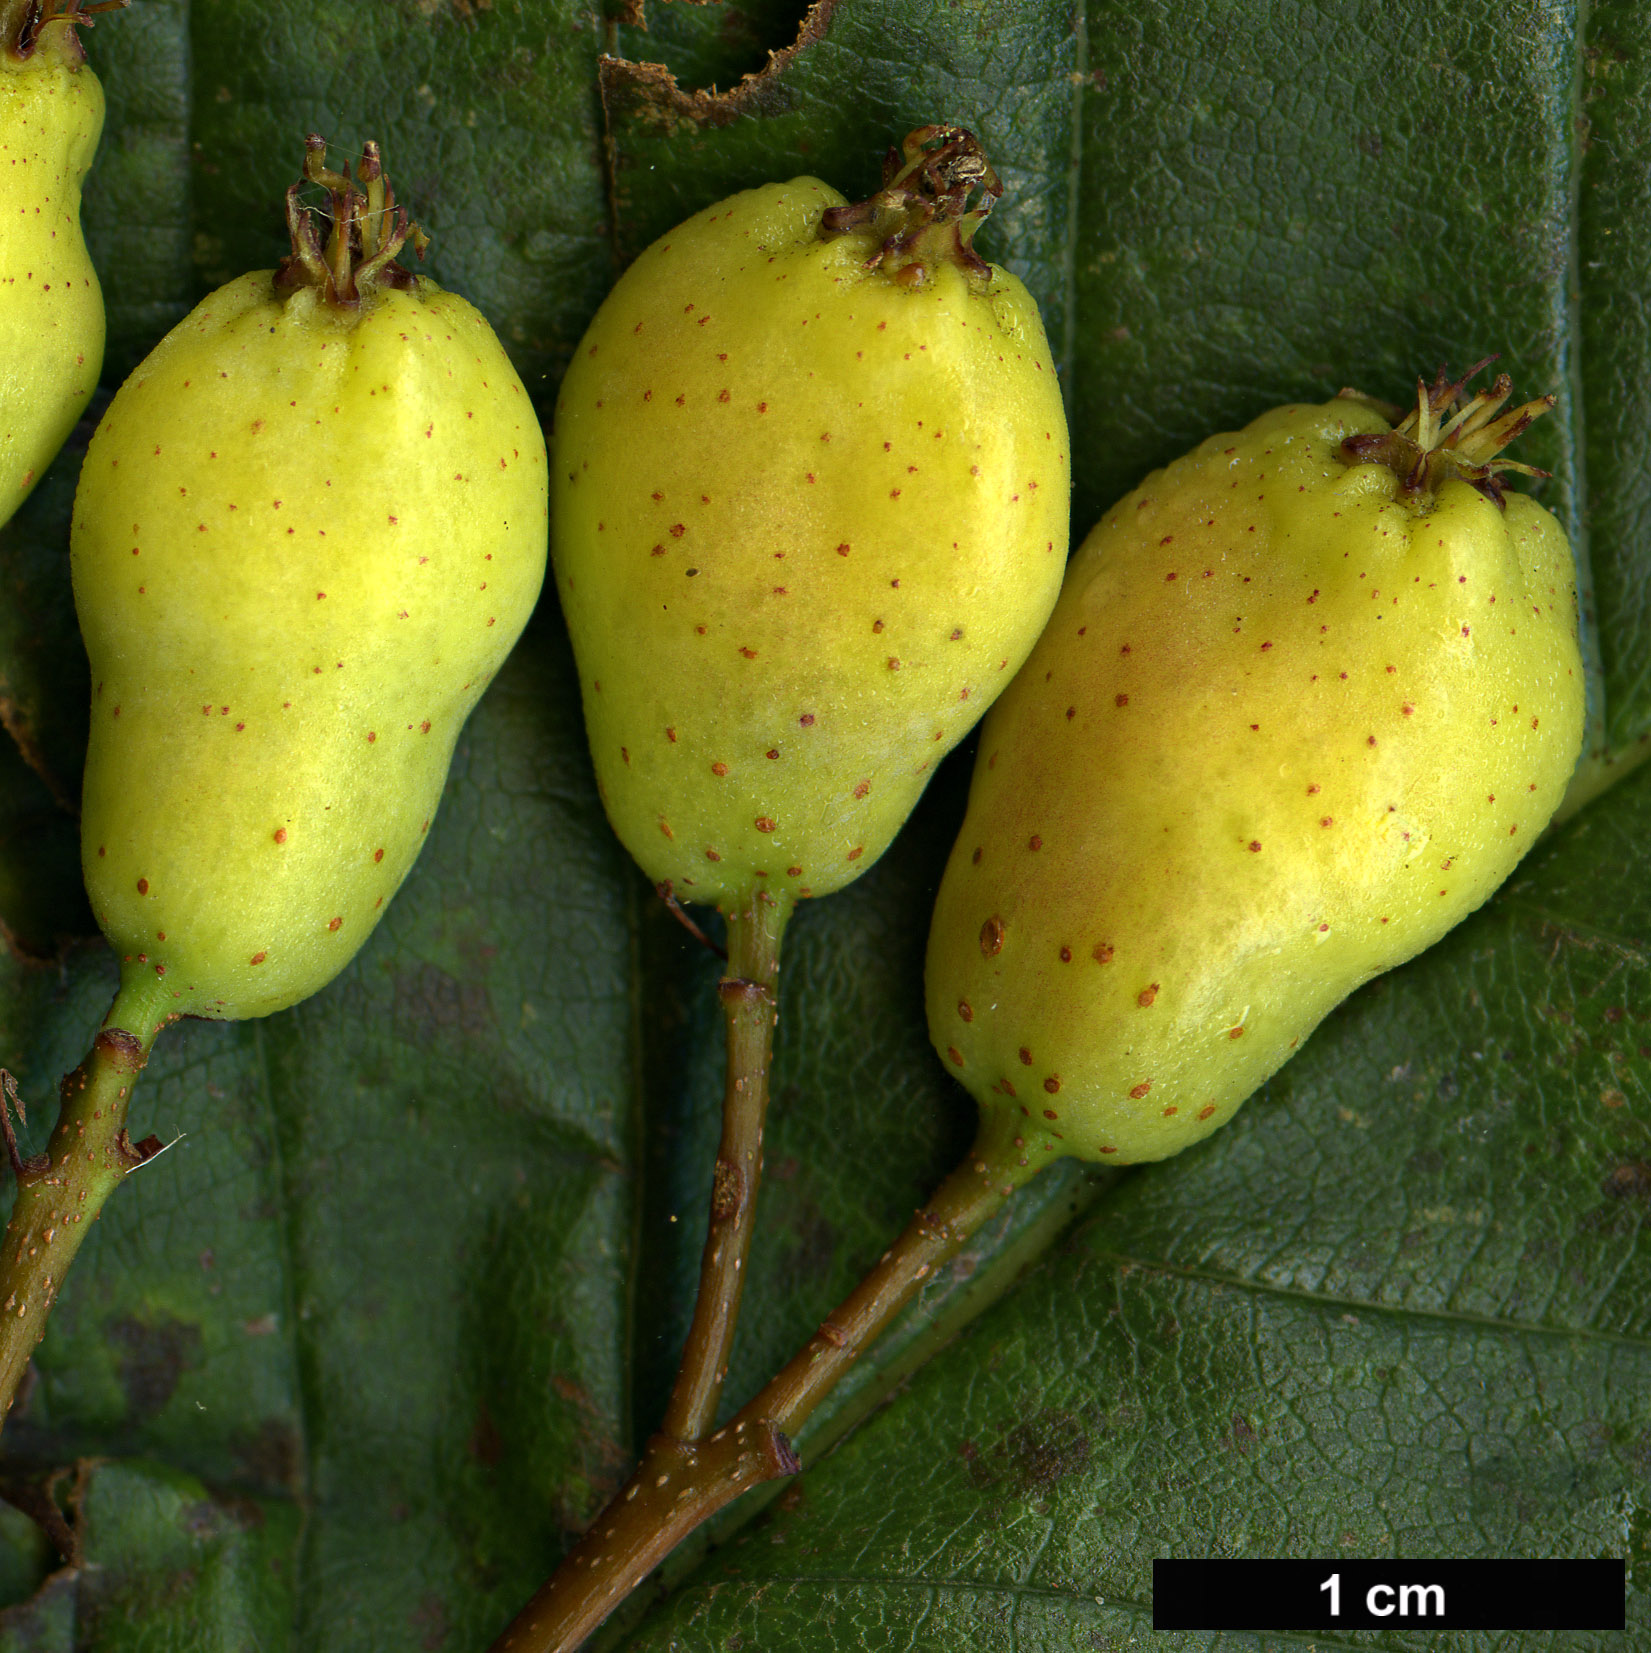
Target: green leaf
[365,1348]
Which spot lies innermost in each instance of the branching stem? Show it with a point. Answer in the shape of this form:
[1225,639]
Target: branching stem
[678,1486]
[61,1192]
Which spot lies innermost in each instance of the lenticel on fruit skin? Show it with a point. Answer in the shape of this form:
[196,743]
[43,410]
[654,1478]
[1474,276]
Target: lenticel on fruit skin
[1308,696]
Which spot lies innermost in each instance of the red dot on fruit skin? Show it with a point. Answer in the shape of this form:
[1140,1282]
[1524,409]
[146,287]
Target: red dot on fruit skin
[258,958]
[143,886]
[378,855]
[1140,1090]
[335,924]
[965,1010]
[1255,846]
[280,835]
[1052,1084]
[956,1056]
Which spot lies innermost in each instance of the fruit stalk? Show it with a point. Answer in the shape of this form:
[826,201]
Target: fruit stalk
[678,1486]
[61,1191]
[748,994]
[970,1196]
[738,750]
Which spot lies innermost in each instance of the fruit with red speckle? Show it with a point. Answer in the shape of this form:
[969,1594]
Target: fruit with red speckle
[1308,696]
[810,500]
[308,530]
[51,308]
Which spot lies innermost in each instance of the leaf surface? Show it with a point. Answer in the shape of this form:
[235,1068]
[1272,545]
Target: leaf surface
[362,1351]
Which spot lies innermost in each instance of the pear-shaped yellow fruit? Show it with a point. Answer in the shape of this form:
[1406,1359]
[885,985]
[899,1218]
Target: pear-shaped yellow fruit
[308,530]
[1308,695]
[51,309]
[810,488]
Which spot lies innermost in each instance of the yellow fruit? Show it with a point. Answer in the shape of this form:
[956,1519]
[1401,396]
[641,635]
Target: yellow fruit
[810,505]
[1308,695]
[308,530]
[51,310]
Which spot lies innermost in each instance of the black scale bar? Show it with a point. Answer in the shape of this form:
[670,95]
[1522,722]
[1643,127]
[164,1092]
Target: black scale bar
[1388,1595]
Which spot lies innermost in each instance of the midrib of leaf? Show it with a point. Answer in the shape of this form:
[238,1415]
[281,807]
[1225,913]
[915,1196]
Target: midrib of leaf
[1405,1314]
[1074,201]
[295,1329]
[641,1428]
[1578,523]
[1632,951]
[826,1584]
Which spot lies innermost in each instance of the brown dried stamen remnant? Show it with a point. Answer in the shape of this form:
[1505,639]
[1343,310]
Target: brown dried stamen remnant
[367,231]
[23,21]
[922,212]
[1448,434]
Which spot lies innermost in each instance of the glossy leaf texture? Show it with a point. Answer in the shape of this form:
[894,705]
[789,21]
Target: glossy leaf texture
[354,1358]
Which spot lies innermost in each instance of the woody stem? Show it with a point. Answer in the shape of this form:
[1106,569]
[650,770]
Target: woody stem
[61,1192]
[678,1485]
[747,993]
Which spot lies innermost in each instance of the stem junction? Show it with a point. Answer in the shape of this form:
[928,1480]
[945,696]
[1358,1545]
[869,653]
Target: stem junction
[61,1191]
[678,1485]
